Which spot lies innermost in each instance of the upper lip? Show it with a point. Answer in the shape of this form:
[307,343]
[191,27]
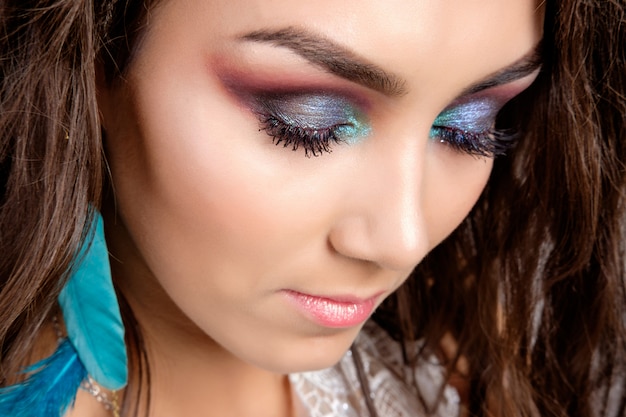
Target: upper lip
[342,298]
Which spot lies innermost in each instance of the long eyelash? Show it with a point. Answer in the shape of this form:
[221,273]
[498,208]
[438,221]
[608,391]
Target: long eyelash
[490,143]
[314,141]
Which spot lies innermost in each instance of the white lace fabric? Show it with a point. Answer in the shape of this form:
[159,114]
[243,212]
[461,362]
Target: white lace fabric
[337,392]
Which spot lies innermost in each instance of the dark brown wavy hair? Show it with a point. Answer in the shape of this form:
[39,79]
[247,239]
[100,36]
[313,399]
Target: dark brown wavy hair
[531,286]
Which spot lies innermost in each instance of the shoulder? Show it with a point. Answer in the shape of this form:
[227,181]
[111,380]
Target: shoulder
[396,389]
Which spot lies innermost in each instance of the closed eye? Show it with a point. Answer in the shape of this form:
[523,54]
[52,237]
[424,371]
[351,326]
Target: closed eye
[314,122]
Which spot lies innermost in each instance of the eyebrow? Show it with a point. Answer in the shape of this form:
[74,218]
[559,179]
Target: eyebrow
[524,66]
[333,58]
[338,60]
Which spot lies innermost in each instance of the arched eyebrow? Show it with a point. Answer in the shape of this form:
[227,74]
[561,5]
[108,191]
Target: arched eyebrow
[521,68]
[338,60]
[332,57]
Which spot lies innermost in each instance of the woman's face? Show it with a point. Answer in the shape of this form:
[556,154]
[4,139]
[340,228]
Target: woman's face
[281,166]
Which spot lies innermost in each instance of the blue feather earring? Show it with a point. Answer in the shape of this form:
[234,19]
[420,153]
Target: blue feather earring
[95,345]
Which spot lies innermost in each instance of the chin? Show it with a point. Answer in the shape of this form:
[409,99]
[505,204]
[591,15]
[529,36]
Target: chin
[311,355]
[303,364]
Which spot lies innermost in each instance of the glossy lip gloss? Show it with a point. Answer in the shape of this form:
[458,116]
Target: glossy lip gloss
[332,312]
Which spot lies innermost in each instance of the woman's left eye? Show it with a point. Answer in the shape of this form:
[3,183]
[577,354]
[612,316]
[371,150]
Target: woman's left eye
[311,121]
[469,128]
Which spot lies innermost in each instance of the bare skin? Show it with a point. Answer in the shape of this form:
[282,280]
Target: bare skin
[213,225]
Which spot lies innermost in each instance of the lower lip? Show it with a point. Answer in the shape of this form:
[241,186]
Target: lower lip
[332,313]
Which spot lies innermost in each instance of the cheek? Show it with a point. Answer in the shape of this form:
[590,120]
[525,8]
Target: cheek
[199,186]
[455,181]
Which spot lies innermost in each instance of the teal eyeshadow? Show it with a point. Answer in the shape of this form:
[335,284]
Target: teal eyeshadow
[475,116]
[319,112]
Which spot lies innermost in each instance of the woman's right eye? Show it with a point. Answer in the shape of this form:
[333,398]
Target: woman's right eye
[314,122]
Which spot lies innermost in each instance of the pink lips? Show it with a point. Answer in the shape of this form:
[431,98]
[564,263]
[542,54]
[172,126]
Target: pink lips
[332,312]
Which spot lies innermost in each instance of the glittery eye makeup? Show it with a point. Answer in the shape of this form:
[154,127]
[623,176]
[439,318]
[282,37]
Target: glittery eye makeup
[468,126]
[313,121]
[313,115]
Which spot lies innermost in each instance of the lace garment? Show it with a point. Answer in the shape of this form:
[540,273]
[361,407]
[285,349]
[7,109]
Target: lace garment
[337,392]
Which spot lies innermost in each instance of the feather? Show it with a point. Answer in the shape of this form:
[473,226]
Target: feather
[92,315]
[50,388]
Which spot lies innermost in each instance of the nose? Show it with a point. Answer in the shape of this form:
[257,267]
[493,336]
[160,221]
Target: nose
[383,221]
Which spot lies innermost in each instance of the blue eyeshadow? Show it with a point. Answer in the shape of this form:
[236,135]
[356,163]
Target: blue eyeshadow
[473,116]
[315,112]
